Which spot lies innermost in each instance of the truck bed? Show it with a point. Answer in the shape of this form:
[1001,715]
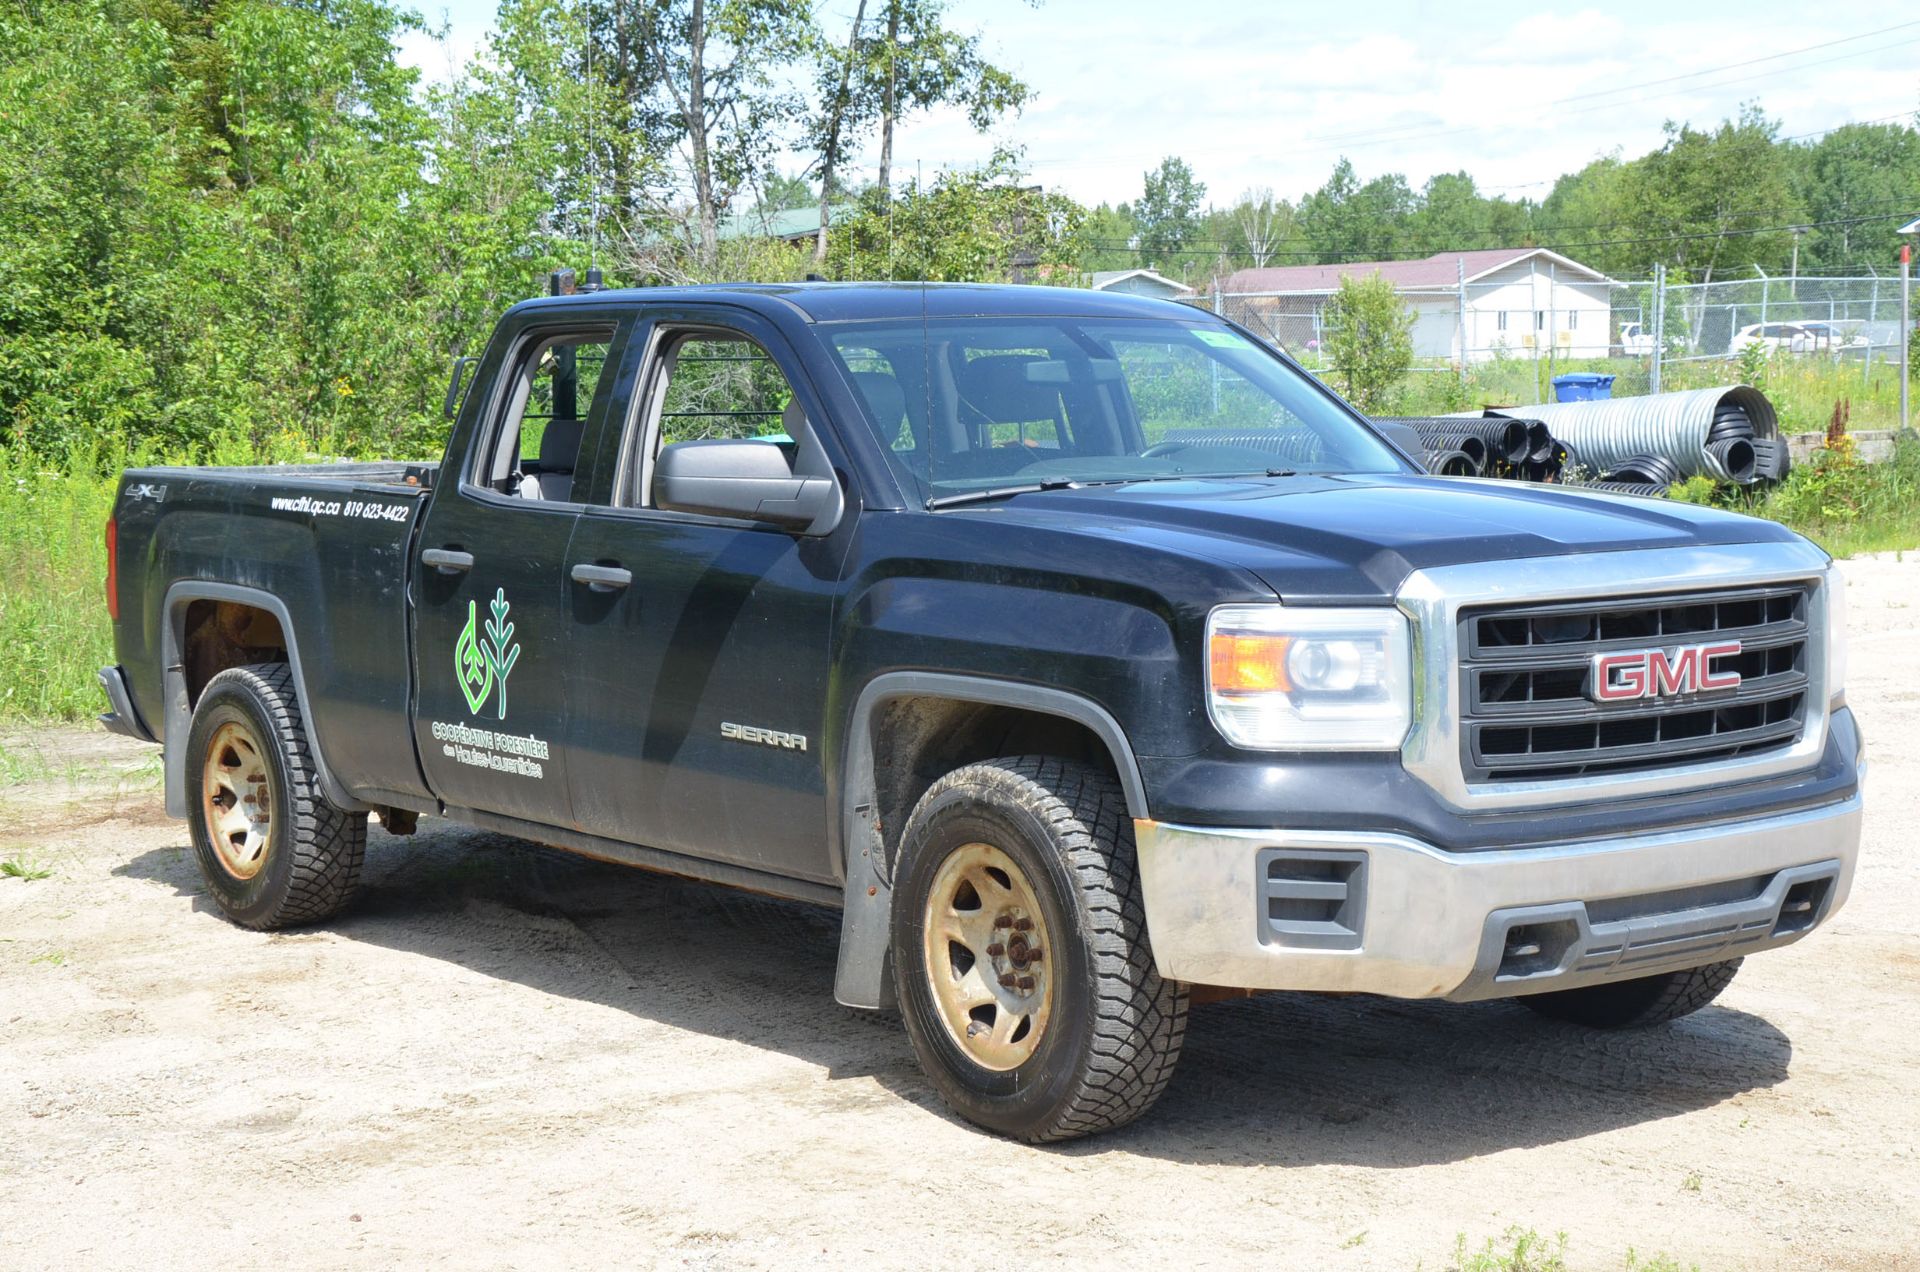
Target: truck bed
[328,547]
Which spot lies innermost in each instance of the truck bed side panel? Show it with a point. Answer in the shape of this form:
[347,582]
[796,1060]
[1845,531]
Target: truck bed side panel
[333,548]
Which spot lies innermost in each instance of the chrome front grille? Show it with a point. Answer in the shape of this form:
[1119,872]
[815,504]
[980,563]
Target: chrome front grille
[1526,680]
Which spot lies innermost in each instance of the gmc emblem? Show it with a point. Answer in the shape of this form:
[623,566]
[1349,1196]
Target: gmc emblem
[1657,673]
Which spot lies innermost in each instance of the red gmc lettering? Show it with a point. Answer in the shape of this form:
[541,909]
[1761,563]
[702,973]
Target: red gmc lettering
[1655,673]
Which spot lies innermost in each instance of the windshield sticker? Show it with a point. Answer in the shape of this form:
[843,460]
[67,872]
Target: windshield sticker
[1222,339]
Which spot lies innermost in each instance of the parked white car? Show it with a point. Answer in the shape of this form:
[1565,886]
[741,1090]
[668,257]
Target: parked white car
[1772,337]
[1635,340]
[1837,337]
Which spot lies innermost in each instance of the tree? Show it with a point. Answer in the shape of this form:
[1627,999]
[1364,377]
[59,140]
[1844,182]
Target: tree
[714,105]
[782,193]
[1369,338]
[908,61]
[1110,235]
[1345,220]
[1166,211]
[1847,179]
[1722,199]
[1263,223]
[969,225]
[919,63]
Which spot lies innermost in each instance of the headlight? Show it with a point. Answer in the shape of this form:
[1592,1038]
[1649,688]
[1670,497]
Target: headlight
[1835,587]
[1281,679]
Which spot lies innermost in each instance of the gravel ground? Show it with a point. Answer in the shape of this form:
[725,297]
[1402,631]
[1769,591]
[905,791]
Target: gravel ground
[505,1057]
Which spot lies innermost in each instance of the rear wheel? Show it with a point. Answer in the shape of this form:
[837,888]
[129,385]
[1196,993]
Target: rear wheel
[1020,952]
[273,851]
[1640,1003]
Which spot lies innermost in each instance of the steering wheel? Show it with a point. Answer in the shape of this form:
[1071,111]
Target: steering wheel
[1159,449]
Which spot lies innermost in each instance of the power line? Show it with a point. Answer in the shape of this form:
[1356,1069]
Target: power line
[1349,257]
[1734,66]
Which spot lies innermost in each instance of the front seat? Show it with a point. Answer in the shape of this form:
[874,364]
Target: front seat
[559,453]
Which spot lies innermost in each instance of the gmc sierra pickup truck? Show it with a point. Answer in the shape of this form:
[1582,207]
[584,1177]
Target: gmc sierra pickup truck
[1085,652]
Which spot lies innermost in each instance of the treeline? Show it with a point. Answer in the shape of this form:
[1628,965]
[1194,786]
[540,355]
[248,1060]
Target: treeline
[236,227]
[1707,204]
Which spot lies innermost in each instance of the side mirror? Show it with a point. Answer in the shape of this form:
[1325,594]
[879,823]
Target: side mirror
[451,406]
[753,480]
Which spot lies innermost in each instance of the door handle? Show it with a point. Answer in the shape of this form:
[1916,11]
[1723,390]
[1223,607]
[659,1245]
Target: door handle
[447,560]
[602,578]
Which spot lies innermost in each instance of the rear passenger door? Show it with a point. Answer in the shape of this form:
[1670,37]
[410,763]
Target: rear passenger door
[699,644]
[489,589]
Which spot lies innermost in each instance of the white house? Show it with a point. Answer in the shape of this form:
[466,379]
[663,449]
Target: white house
[1467,306]
[1139,282]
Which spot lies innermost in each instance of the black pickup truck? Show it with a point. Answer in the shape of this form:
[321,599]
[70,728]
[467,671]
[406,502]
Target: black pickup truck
[1087,653]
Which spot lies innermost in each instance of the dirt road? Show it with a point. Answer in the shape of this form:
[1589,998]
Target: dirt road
[508,1057]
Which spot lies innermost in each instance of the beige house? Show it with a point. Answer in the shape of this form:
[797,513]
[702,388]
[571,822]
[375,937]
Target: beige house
[1468,306]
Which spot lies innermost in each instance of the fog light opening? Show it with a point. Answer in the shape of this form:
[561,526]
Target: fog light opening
[1532,949]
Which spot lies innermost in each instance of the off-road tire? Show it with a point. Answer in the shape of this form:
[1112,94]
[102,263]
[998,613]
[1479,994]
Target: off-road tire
[311,866]
[1116,1028]
[1639,1003]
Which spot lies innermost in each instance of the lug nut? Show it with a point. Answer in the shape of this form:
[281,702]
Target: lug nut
[1007,979]
[1023,925]
[1003,922]
[1033,954]
[1026,982]
[996,950]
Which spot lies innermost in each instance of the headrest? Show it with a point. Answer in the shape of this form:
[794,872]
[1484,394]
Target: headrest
[998,389]
[560,445]
[885,398]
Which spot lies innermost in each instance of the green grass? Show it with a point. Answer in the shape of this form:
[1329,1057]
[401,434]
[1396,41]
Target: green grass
[1518,1250]
[20,868]
[53,613]
[1845,507]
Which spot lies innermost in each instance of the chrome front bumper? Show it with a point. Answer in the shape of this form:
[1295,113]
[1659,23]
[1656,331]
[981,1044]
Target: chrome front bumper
[1386,914]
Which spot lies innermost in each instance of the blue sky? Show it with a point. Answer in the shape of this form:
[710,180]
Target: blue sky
[1271,95]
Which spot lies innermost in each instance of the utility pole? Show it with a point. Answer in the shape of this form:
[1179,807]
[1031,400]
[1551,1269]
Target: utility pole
[1906,324]
[1659,325]
[1799,232]
[1460,315]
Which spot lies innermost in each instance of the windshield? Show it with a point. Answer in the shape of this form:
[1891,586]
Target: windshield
[975,404]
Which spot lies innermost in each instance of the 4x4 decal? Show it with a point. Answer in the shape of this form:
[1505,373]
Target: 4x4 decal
[481,666]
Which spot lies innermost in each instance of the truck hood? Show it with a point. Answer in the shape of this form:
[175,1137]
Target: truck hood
[1330,539]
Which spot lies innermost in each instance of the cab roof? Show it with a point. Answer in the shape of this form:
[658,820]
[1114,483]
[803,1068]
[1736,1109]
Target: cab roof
[850,302]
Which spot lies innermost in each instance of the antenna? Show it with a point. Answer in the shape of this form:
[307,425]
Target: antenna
[593,150]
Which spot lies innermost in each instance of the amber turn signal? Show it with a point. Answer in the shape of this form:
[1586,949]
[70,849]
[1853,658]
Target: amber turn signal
[1243,663]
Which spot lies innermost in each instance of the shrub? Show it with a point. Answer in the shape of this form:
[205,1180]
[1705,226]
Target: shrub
[1369,340]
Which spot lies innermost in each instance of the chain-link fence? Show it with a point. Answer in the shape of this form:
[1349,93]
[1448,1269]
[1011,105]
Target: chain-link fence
[1559,315]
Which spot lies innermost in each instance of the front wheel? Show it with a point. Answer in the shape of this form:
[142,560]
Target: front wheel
[1020,954]
[1638,1003]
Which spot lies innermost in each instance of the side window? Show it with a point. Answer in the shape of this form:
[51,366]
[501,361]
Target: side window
[552,388]
[713,386]
[723,387]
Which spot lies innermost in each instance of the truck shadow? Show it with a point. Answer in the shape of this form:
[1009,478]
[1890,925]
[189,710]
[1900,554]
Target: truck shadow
[1281,1079]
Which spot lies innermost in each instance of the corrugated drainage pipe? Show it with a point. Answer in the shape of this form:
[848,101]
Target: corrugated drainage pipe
[1673,426]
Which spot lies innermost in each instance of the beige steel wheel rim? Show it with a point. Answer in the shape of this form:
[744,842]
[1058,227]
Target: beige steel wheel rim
[988,957]
[236,795]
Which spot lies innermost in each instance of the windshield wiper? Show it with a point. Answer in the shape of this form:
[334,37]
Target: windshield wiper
[997,492]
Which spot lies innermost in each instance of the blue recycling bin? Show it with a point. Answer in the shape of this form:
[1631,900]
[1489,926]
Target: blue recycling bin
[1582,386]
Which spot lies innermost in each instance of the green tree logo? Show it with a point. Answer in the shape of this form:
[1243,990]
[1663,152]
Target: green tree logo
[481,666]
